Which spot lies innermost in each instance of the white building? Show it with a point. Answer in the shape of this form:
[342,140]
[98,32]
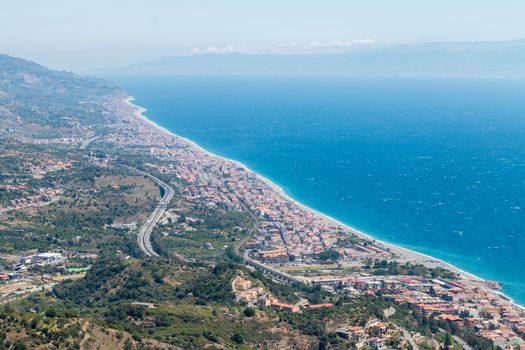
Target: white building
[47,258]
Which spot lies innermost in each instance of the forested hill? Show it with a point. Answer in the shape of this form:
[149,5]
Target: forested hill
[34,100]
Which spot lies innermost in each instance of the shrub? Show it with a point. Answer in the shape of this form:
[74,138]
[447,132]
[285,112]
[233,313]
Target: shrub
[249,312]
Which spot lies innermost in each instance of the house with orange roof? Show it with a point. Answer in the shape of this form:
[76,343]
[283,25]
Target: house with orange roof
[285,307]
[244,284]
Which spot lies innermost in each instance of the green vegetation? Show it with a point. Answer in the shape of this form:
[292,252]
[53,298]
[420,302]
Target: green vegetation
[214,285]
[329,255]
[24,331]
[191,305]
[50,103]
[201,232]
[384,267]
[91,198]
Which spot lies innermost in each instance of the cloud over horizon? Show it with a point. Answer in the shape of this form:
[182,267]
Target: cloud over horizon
[289,47]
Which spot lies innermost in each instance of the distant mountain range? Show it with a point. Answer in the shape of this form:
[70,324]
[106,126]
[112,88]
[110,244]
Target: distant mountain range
[503,59]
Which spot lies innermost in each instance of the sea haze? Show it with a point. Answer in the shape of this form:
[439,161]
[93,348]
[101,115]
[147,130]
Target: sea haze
[433,165]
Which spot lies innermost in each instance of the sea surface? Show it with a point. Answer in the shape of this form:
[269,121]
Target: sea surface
[437,166]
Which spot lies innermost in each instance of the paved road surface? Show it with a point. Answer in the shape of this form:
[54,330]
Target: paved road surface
[86,142]
[408,337]
[462,342]
[269,270]
[144,236]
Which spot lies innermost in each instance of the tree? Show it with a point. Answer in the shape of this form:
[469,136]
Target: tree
[20,346]
[249,312]
[448,341]
[329,254]
[236,337]
[128,345]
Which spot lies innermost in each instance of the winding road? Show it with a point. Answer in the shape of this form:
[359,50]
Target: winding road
[462,342]
[144,236]
[408,337]
[85,143]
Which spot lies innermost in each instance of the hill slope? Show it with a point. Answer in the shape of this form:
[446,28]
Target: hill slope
[42,100]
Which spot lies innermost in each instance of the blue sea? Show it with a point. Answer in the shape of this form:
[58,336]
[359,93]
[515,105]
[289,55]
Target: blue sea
[437,166]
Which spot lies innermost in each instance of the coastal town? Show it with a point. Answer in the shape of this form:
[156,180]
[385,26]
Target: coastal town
[288,234]
[289,242]
[274,175]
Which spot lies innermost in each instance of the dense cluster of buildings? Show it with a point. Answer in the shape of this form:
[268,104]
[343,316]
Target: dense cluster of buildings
[283,224]
[461,305]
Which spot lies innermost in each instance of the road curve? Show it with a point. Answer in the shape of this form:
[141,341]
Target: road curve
[462,342]
[85,143]
[144,235]
[408,337]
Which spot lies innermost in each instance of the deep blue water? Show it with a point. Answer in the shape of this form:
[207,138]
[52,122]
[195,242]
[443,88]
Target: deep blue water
[433,165]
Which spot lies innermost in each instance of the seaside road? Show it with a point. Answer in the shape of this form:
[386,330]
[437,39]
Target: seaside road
[144,235]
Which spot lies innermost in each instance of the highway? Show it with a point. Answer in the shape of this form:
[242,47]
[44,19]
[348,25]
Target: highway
[86,142]
[144,235]
[269,270]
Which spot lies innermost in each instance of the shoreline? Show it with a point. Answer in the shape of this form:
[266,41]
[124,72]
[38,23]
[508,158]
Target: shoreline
[402,252]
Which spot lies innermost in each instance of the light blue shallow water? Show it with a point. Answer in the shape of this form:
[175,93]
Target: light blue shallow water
[433,165]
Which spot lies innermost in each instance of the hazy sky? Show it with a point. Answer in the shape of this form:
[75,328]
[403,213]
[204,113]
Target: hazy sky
[85,34]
